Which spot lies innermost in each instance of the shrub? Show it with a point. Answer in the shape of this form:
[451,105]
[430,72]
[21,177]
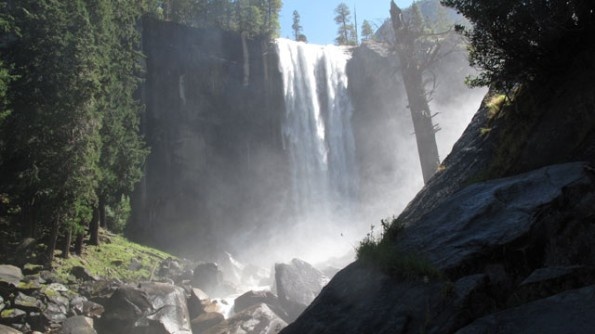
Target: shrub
[382,253]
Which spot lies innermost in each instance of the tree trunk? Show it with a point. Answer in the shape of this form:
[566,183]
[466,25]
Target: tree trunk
[79,244]
[101,207]
[67,242]
[412,73]
[52,242]
[94,228]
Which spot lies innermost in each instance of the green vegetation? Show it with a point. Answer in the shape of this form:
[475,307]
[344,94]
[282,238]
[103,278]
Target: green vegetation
[113,258]
[517,41]
[255,17]
[346,34]
[367,31]
[70,145]
[381,252]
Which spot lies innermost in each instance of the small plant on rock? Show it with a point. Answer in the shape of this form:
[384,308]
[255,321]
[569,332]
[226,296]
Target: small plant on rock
[381,252]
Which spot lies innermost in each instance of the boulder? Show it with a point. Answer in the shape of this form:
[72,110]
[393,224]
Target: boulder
[208,278]
[206,321]
[148,308]
[78,325]
[83,274]
[568,312]
[8,330]
[10,274]
[252,298]
[298,283]
[197,302]
[258,319]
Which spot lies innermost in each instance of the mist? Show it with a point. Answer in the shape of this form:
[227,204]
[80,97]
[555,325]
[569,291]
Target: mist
[299,163]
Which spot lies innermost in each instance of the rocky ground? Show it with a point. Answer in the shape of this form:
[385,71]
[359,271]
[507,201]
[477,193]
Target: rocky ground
[176,300]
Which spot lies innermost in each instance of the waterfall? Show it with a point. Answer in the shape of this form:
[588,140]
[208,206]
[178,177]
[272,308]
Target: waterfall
[317,128]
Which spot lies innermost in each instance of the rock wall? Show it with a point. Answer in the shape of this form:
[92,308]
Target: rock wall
[214,133]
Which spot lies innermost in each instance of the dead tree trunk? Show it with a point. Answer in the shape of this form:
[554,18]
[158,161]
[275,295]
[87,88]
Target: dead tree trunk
[412,73]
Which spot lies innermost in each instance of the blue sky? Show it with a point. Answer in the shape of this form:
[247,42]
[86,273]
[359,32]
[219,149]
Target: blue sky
[317,16]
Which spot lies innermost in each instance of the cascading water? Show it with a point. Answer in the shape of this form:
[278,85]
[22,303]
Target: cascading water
[317,128]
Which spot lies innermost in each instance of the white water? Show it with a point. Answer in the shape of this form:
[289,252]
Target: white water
[317,129]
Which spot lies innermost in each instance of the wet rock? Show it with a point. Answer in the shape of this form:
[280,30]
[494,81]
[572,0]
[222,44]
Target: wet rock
[149,308]
[252,298]
[568,312]
[298,283]
[197,301]
[206,321]
[258,319]
[78,325]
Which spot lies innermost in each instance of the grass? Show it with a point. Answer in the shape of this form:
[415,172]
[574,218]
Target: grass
[381,252]
[112,259]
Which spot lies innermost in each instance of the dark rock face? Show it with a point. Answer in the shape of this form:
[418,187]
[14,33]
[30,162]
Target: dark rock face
[489,239]
[568,312]
[298,283]
[216,150]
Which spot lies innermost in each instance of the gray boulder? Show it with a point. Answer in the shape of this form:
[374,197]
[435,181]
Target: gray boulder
[149,308]
[252,298]
[10,274]
[258,319]
[78,325]
[298,283]
[8,330]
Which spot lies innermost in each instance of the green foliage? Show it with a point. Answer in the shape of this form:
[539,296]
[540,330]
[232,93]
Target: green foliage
[296,26]
[346,32]
[517,41]
[255,17]
[112,259]
[72,135]
[367,31]
[381,252]
[118,214]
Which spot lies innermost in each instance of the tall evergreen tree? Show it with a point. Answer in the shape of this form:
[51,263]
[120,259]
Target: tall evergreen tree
[346,32]
[367,31]
[296,26]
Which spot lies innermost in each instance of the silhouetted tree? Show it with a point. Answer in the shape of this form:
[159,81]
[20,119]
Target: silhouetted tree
[296,26]
[514,41]
[414,58]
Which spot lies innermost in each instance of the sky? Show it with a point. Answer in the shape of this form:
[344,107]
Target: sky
[317,16]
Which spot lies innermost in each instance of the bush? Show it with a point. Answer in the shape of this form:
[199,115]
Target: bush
[381,252]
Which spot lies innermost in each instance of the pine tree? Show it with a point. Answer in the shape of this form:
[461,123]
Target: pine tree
[346,32]
[296,26]
[367,31]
